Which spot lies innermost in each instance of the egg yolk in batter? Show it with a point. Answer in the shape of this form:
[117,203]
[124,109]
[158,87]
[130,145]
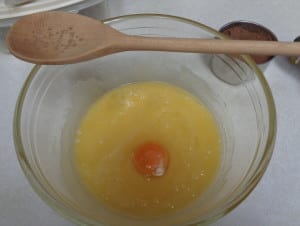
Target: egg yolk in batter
[147,149]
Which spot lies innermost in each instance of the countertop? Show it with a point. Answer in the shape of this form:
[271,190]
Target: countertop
[276,199]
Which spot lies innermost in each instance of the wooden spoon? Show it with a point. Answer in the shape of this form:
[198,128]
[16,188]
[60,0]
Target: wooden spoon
[63,38]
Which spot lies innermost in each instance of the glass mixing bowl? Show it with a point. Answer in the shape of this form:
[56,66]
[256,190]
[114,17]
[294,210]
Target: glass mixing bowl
[54,98]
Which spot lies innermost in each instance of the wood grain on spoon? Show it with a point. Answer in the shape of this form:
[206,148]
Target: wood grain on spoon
[63,38]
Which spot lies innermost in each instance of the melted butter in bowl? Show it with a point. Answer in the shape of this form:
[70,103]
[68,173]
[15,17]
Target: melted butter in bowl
[134,115]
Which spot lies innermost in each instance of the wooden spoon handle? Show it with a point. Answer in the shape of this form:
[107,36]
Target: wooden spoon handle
[211,46]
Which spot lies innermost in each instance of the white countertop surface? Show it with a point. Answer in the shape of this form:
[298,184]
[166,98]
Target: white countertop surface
[276,199]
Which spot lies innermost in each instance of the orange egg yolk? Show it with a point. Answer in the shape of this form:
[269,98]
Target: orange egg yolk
[151,159]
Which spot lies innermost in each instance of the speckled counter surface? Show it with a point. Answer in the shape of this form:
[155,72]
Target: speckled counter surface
[276,199]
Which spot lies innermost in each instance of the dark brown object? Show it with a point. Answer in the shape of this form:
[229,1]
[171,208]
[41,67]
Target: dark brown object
[249,31]
[295,59]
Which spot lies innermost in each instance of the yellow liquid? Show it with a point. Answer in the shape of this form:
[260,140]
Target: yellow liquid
[132,115]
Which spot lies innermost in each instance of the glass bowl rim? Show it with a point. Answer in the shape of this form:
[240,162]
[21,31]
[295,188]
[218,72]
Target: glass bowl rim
[73,215]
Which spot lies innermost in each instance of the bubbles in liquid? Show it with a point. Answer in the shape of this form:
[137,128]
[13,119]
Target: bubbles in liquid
[171,206]
[156,201]
[202,173]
